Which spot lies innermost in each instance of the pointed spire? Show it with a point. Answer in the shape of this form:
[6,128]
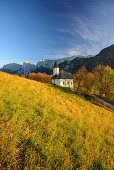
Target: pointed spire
[56,65]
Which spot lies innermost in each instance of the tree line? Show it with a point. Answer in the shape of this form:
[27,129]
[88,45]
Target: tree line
[100,81]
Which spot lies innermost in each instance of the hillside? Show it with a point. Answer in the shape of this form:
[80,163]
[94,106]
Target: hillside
[46,126]
[105,57]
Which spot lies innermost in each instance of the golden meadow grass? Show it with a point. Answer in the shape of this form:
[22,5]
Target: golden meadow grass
[45,126]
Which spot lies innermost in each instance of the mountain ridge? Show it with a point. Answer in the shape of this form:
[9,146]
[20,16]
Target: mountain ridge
[105,57]
[44,65]
[70,64]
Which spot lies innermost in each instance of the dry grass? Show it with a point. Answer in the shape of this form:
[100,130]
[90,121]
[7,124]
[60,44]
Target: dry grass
[51,127]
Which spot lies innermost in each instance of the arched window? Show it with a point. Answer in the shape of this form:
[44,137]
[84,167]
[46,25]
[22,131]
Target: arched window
[63,82]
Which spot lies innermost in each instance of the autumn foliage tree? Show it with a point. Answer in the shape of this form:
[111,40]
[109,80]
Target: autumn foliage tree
[100,81]
[80,77]
[89,81]
[42,77]
[99,68]
[104,83]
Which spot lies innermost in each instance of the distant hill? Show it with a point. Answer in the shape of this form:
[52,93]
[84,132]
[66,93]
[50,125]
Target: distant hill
[50,127]
[105,57]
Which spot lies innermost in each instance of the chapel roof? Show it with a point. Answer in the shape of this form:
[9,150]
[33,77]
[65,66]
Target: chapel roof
[63,75]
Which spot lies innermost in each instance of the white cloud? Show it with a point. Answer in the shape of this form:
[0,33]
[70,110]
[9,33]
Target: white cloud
[88,30]
[65,30]
[95,37]
[94,34]
[61,53]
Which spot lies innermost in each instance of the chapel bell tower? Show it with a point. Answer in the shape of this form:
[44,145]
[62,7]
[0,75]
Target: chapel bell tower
[56,69]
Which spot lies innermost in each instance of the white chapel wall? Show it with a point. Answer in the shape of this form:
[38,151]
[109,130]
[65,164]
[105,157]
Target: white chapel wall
[63,82]
[66,82]
[57,82]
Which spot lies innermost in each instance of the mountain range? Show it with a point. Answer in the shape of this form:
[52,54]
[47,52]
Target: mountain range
[70,64]
[105,57]
[44,65]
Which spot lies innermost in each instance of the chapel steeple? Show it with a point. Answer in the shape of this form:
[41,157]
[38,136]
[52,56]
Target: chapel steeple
[56,69]
[56,65]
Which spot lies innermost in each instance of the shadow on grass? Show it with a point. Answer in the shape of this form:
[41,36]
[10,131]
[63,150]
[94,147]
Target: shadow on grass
[64,89]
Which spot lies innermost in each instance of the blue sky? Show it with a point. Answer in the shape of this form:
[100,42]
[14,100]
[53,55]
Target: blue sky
[40,29]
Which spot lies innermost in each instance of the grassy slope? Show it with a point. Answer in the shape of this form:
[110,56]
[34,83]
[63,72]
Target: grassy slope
[47,126]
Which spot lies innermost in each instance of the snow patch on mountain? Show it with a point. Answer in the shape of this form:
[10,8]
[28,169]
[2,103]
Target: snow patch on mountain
[50,63]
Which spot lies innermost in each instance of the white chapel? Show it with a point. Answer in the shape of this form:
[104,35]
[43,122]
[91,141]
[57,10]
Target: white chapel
[61,79]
